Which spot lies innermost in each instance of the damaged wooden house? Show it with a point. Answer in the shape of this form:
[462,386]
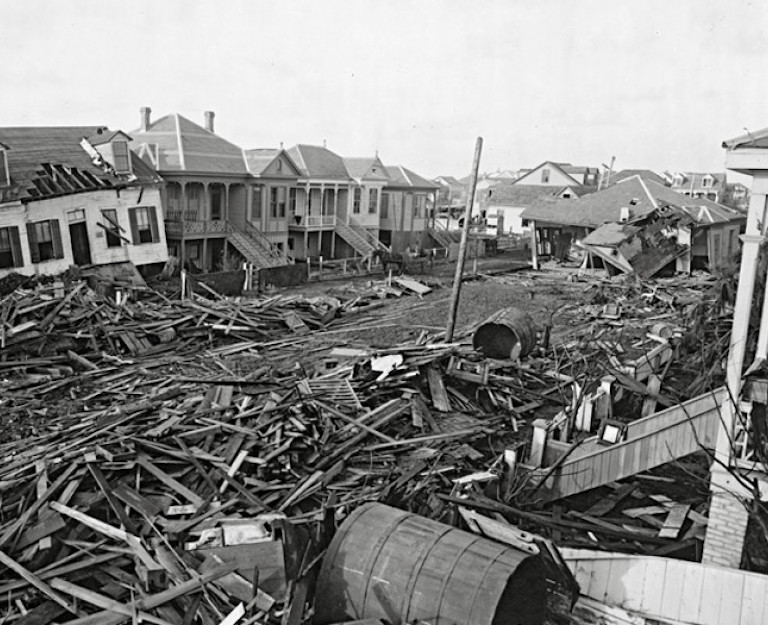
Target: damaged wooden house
[635,226]
[76,196]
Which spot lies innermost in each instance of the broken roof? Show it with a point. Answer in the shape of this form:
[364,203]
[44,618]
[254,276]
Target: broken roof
[315,161]
[45,161]
[639,196]
[180,145]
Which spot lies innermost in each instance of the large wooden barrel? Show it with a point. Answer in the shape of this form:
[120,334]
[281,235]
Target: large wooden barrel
[403,568]
[508,333]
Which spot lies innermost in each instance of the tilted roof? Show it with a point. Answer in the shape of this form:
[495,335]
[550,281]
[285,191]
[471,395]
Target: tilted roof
[756,139]
[639,196]
[182,146]
[519,195]
[45,161]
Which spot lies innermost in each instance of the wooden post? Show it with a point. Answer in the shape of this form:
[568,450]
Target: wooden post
[320,269]
[183,284]
[309,268]
[450,326]
[534,248]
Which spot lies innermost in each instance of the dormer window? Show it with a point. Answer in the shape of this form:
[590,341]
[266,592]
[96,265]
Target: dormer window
[121,156]
[678,180]
[707,181]
[5,178]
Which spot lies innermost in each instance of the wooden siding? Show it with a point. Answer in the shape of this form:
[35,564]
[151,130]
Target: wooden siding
[671,590]
[650,442]
[91,204]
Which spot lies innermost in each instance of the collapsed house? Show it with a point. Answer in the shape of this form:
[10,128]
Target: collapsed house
[558,225]
[76,196]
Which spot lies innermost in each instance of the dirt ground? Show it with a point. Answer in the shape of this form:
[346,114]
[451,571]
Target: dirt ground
[500,282]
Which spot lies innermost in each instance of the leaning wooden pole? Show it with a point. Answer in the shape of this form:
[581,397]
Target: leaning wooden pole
[451,325]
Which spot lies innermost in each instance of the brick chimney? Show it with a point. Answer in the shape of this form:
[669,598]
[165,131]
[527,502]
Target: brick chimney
[145,113]
[209,115]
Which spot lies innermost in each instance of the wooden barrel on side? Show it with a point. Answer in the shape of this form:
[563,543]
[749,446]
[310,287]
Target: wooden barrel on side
[403,568]
[508,333]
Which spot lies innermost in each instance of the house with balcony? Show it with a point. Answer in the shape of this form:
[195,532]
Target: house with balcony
[335,214]
[76,196]
[210,192]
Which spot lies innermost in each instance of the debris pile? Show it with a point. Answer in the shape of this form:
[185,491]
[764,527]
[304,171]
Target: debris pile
[186,461]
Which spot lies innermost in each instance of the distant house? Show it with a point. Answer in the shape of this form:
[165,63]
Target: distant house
[557,225]
[407,202]
[214,204]
[76,196]
[502,205]
[451,191]
[699,185]
[553,174]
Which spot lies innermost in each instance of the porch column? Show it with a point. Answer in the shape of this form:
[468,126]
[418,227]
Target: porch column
[184,204]
[534,248]
[206,265]
[225,212]
[336,201]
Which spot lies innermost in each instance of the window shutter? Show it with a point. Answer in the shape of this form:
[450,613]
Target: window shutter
[153,224]
[32,238]
[134,226]
[18,259]
[58,250]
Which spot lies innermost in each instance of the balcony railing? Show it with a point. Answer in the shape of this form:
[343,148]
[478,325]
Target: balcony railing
[313,221]
[218,226]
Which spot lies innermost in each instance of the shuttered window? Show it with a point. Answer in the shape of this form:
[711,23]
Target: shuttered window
[122,157]
[44,240]
[10,248]
[143,225]
[111,227]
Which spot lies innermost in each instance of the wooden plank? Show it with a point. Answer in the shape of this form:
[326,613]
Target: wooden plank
[38,583]
[170,482]
[101,601]
[674,521]
[440,399]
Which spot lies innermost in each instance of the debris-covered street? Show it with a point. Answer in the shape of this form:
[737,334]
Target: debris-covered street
[163,440]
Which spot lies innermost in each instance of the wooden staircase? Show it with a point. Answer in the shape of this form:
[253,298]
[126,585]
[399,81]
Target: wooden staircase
[255,247]
[442,236]
[358,237]
[650,442]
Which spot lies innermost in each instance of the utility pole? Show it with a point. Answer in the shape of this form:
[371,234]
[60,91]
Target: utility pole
[450,326]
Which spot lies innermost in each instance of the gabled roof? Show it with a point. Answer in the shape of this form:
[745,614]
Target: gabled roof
[400,176]
[756,139]
[50,161]
[315,161]
[260,160]
[519,195]
[449,180]
[558,166]
[639,196]
[645,174]
[694,180]
[366,167]
[182,146]
[104,135]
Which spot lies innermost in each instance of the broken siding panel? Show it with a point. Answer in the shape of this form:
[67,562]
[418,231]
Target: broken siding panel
[672,590]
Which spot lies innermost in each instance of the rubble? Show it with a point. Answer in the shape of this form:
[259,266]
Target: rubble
[187,461]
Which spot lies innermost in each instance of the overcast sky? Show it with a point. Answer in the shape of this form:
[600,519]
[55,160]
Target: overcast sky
[657,84]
